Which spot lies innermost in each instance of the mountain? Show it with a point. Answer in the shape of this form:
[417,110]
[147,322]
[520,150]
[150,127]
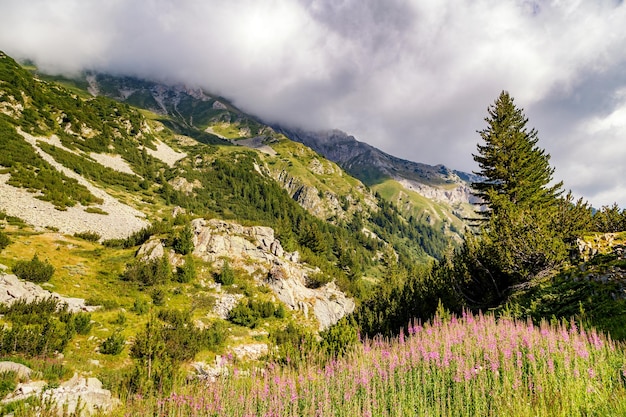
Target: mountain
[436,193]
[155,235]
[433,194]
[164,211]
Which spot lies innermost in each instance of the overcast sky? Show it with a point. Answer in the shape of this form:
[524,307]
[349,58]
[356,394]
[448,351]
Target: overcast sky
[412,77]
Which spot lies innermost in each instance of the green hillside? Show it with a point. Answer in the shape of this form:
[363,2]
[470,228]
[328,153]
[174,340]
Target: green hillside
[199,243]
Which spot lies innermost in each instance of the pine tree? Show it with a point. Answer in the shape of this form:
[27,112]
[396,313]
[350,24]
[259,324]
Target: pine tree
[520,237]
[512,167]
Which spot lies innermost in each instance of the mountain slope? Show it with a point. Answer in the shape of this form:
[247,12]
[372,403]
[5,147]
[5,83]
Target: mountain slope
[435,193]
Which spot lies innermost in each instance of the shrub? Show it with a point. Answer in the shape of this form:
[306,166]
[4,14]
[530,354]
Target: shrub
[226,275]
[89,235]
[4,240]
[156,271]
[317,280]
[34,270]
[82,323]
[264,309]
[120,319]
[113,345]
[280,312]
[183,243]
[158,296]
[187,272]
[140,306]
[243,315]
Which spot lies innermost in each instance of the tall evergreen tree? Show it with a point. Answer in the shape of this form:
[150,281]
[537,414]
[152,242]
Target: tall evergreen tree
[520,238]
[512,167]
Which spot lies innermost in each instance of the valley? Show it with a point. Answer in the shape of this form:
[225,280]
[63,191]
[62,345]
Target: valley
[159,248]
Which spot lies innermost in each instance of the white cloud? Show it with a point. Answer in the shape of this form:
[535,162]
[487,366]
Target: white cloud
[413,77]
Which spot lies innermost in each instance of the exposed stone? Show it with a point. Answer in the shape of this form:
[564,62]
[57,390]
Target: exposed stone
[177,211]
[224,303]
[12,288]
[86,393]
[165,153]
[256,249]
[151,250]
[23,372]
[181,184]
[211,372]
[25,390]
[251,351]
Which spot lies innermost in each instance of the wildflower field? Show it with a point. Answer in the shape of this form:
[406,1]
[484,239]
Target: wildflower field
[466,366]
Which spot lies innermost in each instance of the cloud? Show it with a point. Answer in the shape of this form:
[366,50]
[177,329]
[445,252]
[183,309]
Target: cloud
[412,77]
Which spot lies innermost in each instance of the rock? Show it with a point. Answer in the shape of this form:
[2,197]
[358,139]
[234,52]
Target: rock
[252,351]
[23,372]
[12,288]
[328,302]
[84,392]
[151,250]
[256,249]
[178,210]
[25,390]
[211,372]
[224,303]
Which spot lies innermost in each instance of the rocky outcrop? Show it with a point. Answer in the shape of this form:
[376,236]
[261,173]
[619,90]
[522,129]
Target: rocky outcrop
[79,396]
[23,372]
[83,395]
[458,192]
[12,288]
[327,303]
[151,250]
[305,195]
[256,250]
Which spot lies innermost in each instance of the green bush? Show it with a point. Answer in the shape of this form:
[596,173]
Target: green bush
[226,275]
[89,236]
[280,312]
[318,280]
[148,273]
[187,272]
[113,345]
[263,309]
[140,306]
[158,296]
[33,270]
[82,323]
[183,243]
[4,240]
[243,315]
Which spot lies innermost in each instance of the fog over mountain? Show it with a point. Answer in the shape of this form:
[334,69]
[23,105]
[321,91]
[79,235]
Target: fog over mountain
[413,78]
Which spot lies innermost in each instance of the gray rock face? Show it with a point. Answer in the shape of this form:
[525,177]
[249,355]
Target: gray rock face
[22,371]
[151,250]
[328,303]
[258,251]
[83,396]
[86,393]
[308,196]
[12,288]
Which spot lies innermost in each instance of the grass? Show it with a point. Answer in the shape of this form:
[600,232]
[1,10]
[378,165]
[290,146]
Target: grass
[467,366]
[414,204]
[227,130]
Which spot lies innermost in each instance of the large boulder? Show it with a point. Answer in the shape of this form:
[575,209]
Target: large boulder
[86,393]
[12,288]
[257,250]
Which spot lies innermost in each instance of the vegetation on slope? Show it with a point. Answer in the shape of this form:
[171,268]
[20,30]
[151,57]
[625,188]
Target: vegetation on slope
[458,366]
[376,253]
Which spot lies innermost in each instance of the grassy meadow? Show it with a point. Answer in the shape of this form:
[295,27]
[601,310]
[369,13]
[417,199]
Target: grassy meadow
[466,366]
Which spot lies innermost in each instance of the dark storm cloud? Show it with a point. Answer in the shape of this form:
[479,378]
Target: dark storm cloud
[412,77]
